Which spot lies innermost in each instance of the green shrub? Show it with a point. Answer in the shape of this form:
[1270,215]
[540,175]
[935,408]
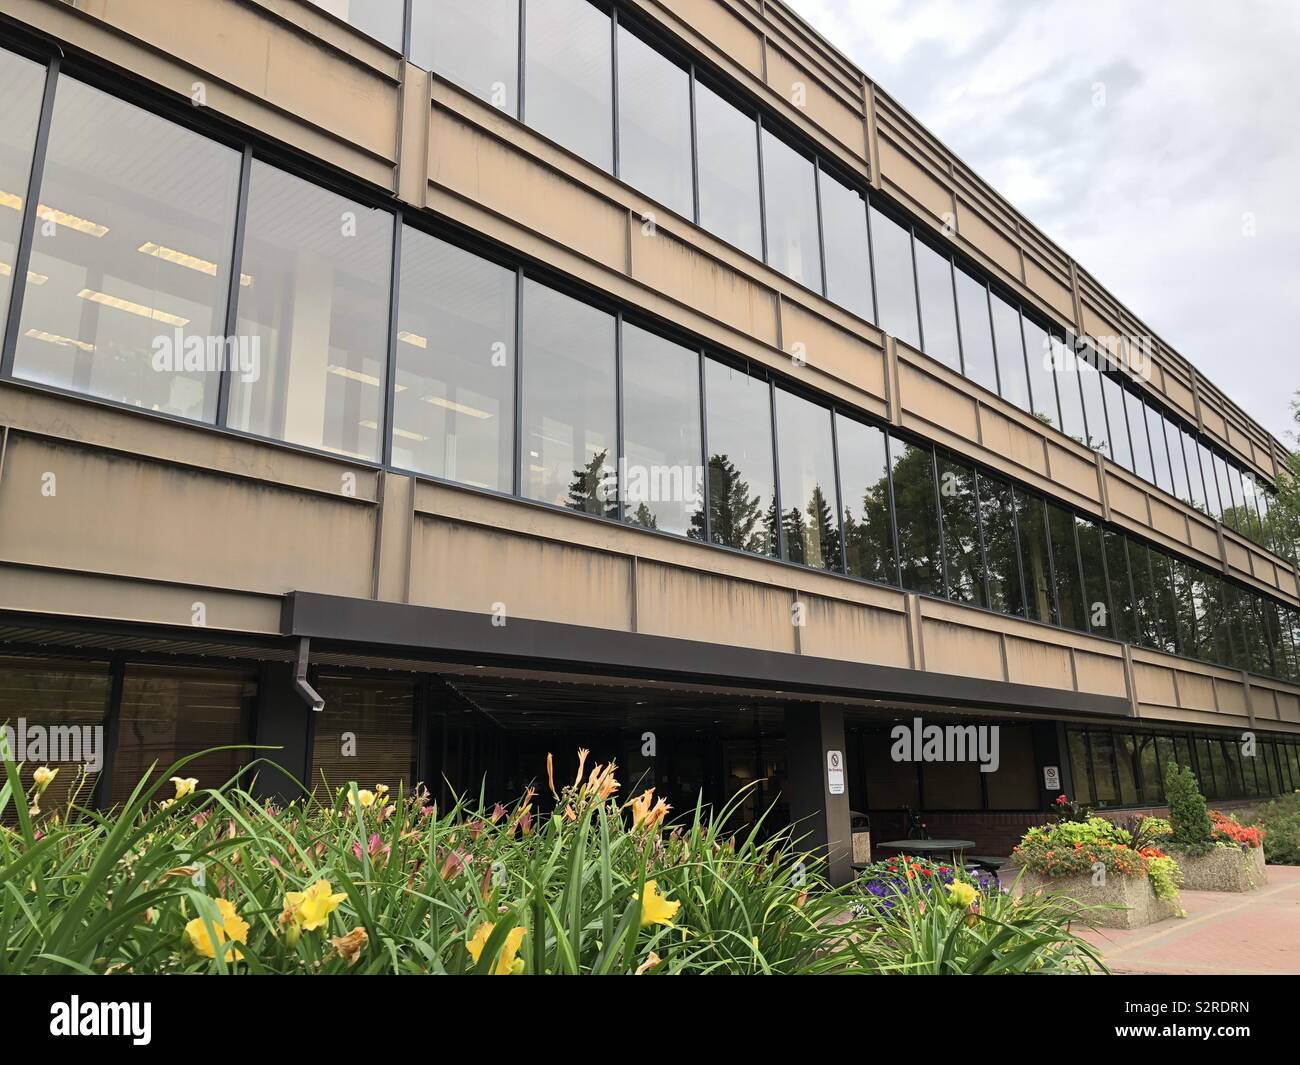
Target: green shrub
[1188,815]
[1280,820]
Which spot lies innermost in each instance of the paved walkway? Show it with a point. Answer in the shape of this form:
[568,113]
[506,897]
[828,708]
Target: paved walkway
[1228,934]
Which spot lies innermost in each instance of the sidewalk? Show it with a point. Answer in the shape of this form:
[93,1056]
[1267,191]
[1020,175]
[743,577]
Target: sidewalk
[1228,934]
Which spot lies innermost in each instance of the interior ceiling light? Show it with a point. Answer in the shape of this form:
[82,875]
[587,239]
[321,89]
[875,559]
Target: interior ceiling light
[414,339]
[406,433]
[32,276]
[459,408]
[54,338]
[362,378]
[69,221]
[190,262]
[117,303]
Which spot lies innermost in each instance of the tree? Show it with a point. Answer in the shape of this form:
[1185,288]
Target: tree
[735,515]
[1192,831]
[588,490]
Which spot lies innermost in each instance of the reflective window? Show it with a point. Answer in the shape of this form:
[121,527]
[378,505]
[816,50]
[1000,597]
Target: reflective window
[997,519]
[807,470]
[727,149]
[1096,601]
[1117,419]
[1068,390]
[1010,345]
[1184,605]
[961,532]
[1159,449]
[1104,769]
[21,88]
[864,477]
[1080,765]
[1123,613]
[569,77]
[381,19]
[316,307]
[790,200]
[454,397]
[1208,471]
[1164,601]
[654,124]
[891,247]
[1094,403]
[1040,602]
[918,518]
[1137,431]
[938,306]
[126,292]
[742,501]
[474,43]
[1229,503]
[1250,501]
[569,418]
[976,331]
[663,484]
[1126,763]
[1195,478]
[848,251]
[1042,378]
[1065,565]
[383,711]
[1238,518]
[1177,460]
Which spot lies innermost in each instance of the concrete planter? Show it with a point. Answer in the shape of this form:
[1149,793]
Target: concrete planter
[1137,902]
[1223,869]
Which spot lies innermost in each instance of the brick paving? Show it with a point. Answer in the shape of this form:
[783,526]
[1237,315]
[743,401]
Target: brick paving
[1223,933]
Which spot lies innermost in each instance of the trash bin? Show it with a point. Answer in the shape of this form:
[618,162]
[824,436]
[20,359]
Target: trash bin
[860,827]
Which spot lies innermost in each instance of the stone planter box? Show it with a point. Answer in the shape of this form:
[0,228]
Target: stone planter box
[1223,869]
[1134,895]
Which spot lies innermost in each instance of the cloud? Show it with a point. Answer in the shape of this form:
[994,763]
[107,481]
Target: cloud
[1154,142]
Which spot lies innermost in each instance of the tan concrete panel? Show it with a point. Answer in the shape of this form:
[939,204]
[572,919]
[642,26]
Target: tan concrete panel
[826,347]
[1213,421]
[1048,288]
[792,83]
[1039,663]
[912,180]
[124,515]
[1168,519]
[961,650]
[987,239]
[1100,674]
[1204,537]
[1125,497]
[1153,714]
[1232,696]
[925,396]
[1195,690]
[1009,438]
[1154,685]
[468,161]
[472,568]
[852,633]
[396,521]
[36,591]
[1073,472]
[698,606]
[713,21]
[688,275]
[1238,554]
[1288,707]
[1263,704]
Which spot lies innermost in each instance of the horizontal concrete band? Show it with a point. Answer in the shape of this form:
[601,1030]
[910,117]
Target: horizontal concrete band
[472,637]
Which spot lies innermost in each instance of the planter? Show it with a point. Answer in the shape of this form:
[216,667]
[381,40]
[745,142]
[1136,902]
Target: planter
[1137,902]
[1223,869]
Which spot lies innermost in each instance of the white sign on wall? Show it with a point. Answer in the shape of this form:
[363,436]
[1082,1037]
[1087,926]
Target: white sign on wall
[835,772]
[1052,778]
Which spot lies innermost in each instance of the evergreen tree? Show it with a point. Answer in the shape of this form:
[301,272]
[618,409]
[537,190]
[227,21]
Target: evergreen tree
[586,492]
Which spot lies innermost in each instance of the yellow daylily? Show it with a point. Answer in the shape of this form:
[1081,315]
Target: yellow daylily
[184,785]
[655,909]
[42,776]
[507,964]
[231,926]
[365,799]
[310,909]
[961,894]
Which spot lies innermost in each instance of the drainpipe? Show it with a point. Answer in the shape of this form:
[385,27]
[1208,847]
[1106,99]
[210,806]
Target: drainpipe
[306,691]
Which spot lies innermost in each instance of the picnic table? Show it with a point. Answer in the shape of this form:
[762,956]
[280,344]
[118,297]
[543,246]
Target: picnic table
[929,847]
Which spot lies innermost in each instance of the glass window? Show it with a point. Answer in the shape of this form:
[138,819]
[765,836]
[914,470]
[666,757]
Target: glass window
[891,246]
[1151,768]
[1010,345]
[976,331]
[1205,767]
[1137,431]
[864,475]
[1195,477]
[1241,512]
[1126,758]
[474,43]
[918,519]
[569,407]
[169,712]
[21,87]
[663,474]
[1102,742]
[380,19]
[807,471]
[742,500]
[1014,784]
[1204,613]
[126,292]
[1065,563]
[959,509]
[938,306]
[1124,618]
[951,786]
[1250,501]
[790,201]
[1068,390]
[1096,602]
[1177,460]
[1184,605]
[1077,742]
[569,77]
[848,249]
[1117,418]
[997,519]
[1042,378]
[654,124]
[381,713]
[1227,491]
[1034,565]
[1094,403]
[727,148]
[1159,450]
[454,397]
[1164,601]
[317,310]
[1213,497]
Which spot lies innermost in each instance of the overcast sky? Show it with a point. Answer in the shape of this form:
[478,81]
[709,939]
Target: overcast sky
[1142,136]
